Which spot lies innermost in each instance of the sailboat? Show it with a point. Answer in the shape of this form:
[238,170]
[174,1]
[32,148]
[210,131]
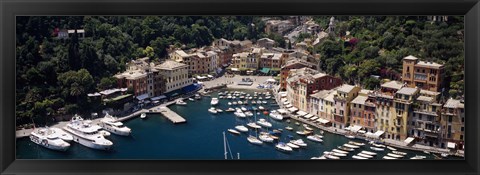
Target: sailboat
[254,139]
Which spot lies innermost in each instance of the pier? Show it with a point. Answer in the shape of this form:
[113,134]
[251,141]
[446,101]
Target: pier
[161,109]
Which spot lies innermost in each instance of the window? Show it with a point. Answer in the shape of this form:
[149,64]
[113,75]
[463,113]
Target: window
[462,129]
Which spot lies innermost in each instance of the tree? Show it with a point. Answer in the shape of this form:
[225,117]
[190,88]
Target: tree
[149,52]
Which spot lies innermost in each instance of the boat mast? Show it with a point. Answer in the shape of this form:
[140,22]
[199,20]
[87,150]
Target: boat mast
[224,145]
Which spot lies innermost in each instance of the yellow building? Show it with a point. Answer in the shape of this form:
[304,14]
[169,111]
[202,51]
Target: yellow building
[402,103]
[453,124]
[345,94]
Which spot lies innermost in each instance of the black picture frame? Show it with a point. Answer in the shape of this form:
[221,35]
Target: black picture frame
[11,8]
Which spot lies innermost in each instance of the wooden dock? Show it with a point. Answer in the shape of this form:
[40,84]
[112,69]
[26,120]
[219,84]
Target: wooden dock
[172,116]
[161,109]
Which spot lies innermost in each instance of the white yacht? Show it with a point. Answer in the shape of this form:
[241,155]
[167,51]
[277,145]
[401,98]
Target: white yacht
[394,155]
[369,153]
[230,110]
[243,108]
[377,149]
[86,133]
[180,102]
[233,131]
[275,115]
[234,103]
[241,128]
[143,115]
[254,125]
[351,146]
[49,139]
[299,142]
[264,123]
[214,101]
[111,124]
[365,155]
[219,110]
[229,103]
[265,138]
[254,140]
[191,99]
[240,102]
[291,145]
[315,138]
[248,114]
[240,114]
[62,134]
[283,147]
[212,110]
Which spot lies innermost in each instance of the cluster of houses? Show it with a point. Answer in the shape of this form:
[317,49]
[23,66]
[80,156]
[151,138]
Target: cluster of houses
[408,110]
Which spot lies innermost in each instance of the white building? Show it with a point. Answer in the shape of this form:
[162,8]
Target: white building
[175,74]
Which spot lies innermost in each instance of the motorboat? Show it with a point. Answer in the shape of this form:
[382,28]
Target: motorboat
[233,131]
[241,128]
[229,103]
[112,125]
[230,110]
[359,157]
[339,151]
[299,142]
[49,139]
[219,110]
[283,147]
[180,102]
[291,145]
[304,132]
[248,114]
[356,143]
[254,108]
[87,134]
[329,156]
[245,102]
[391,148]
[388,157]
[399,153]
[214,101]
[143,115]
[264,123]
[261,108]
[289,128]
[259,102]
[308,128]
[254,102]
[234,103]
[369,153]
[298,124]
[240,102]
[243,108]
[212,110]
[275,115]
[254,125]
[315,138]
[345,148]
[264,102]
[426,152]
[365,155]
[444,155]
[260,98]
[418,157]
[240,114]
[377,149]
[61,134]
[265,138]
[198,97]
[350,136]
[191,99]
[394,155]
[105,133]
[277,131]
[267,97]
[334,153]
[351,146]
[254,140]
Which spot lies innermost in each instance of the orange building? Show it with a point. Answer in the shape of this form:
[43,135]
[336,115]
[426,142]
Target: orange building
[292,64]
[421,74]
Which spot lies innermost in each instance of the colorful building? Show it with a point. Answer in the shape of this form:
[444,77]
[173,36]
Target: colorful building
[403,105]
[293,64]
[453,124]
[424,75]
[341,111]
[175,74]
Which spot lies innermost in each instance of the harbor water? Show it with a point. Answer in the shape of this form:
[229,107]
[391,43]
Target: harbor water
[200,138]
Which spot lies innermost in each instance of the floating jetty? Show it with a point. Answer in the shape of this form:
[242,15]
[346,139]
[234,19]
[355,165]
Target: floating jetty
[172,116]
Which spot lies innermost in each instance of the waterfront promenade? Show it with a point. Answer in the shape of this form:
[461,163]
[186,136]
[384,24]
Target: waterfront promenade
[231,82]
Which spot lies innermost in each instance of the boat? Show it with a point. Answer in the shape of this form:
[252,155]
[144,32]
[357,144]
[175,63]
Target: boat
[264,102]
[105,133]
[234,103]
[49,139]
[394,155]
[369,153]
[399,153]
[233,131]
[377,149]
[254,125]
[230,110]
[359,157]
[444,155]
[87,134]
[143,115]
[259,102]
[350,136]
[259,98]
[308,128]
[214,101]
[229,103]
[198,97]
[315,138]
[277,131]
[283,147]
[275,115]
[243,108]
[388,157]
[219,110]
[240,114]
[339,151]
[288,120]
[254,102]
[180,102]
[245,102]
[351,146]
[261,108]
[254,140]
[241,128]
[293,145]
[265,138]
[212,110]
[378,145]
[345,148]
[304,132]
[248,114]
[240,102]
[61,134]
[299,142]
[391,148]
[191,99]
[418,157]
[267,97]
[329,156]
[426,152]
[338,154]
[298,124]
[111,124]
[365,155]
[264,123]
[356,143]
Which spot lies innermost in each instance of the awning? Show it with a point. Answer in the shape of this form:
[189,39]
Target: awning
[314,118]
[190,88]
[451,145]
[201,77]
[362,131]
[283,99]
[249,71]
[265,70]
[282,111]
[142,97]
[292,109]
[307,116]
[158,97]
[323,121]
[234,69]
[369,134]
[409,140]
[355,128]
[271,80]
[146,101]
[289,106]
[286,103]
[301,113]
[378,133]
[283,94]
